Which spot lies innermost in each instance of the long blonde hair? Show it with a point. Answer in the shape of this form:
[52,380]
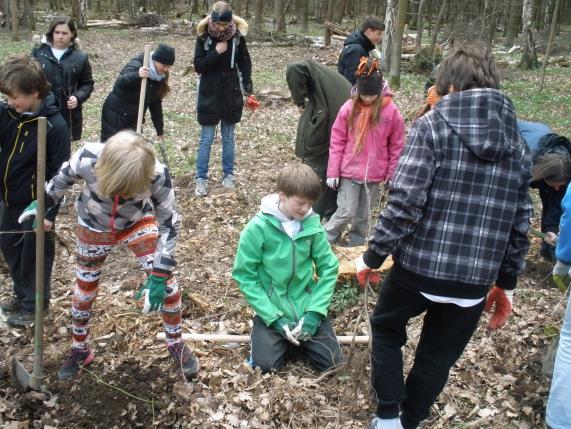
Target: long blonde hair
[126,166]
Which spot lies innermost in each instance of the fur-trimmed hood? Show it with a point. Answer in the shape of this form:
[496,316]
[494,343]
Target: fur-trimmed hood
[241,25]
[38,40]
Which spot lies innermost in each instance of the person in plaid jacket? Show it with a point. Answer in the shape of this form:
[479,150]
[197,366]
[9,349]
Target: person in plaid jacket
[456,223]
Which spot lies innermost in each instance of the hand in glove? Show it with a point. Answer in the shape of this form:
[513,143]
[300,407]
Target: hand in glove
[30,211]
[503,306]
[154,291]
[307,326]
[251,103]
[284,326]
[333,182]
[561,275]
[364,273]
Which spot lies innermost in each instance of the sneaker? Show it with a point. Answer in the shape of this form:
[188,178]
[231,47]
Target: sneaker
[184,359]
[76,359]
[201,189]
[22,319]
[378,423]
[10,306]
[228,181]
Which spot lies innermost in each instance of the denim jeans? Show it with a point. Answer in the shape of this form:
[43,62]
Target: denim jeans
[207,134]
[558,415]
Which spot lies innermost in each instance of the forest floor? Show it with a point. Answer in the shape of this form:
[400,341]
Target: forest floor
[498,382]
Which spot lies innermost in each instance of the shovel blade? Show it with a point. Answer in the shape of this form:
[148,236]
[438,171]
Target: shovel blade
[20,376]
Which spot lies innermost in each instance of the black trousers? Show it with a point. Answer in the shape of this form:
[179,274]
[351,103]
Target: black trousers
[446,330]
[19,251]
[326,204]
[269,347]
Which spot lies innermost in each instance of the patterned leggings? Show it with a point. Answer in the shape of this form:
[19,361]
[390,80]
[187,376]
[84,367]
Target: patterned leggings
[92,250]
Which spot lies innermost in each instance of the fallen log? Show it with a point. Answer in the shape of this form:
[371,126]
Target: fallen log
[228,338]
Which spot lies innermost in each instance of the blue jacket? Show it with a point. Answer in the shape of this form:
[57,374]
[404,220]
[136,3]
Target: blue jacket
[563,250]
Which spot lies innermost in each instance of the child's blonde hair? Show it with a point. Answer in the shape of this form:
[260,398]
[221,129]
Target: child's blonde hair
[299,180]
[126,166]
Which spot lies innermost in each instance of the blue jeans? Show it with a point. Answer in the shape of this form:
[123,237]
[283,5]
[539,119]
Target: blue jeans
[558,415]
[207,134]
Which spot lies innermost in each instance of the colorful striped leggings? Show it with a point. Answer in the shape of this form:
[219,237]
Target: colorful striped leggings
[92,250]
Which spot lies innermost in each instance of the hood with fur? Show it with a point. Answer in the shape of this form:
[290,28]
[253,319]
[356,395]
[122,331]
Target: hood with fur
[241,25]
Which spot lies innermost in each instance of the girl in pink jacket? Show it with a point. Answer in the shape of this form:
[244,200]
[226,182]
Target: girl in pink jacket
[367,139]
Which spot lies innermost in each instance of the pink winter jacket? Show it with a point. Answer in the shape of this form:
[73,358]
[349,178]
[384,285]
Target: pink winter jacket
[379,157]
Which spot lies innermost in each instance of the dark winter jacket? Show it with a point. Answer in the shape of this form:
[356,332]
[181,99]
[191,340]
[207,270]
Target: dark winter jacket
[458,212]
[220,94]
[325,92]
[71,75]
[356,45]
[19,147]
[121,106]
[551,199]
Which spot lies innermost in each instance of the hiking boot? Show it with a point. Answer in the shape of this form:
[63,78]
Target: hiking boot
[76,359]
[201,189]
[228,181]
[184,359]
[10,306]
[547,252]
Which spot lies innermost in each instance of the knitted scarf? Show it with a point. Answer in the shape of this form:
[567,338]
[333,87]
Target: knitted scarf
[364,123]
[224,35]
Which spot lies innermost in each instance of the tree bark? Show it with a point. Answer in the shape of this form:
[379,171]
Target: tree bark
[387,46]
[549,43]
[28,19]
[279,16]
[514,21]
[394,76]
[529,55]
[302,7]
[237,7]
[419,24]
[437,26]
[340,11]
[330,10]
[14,19]
[258,18]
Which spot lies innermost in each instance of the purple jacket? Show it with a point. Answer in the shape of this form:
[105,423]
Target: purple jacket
[379,157]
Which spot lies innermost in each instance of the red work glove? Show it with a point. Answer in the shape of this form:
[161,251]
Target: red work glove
[251,103]
[503,300]
[364,273]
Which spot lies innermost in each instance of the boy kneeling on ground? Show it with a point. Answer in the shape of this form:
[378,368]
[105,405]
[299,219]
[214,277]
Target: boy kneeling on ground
[286,270]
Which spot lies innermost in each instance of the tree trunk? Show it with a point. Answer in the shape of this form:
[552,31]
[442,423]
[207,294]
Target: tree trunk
[340,12]
[528,56]
[258,18]
[28,20]
[194,8]
[514,22]
[133,9]
[237,7]
[419,24]
[437,26]
[394,76]
[279,16]
[484,18]
[549,43]
[390,13]
[329,17]
[14,19]
[302,11]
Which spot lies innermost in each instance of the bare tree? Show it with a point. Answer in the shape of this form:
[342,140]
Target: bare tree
[437,25]
[390,13]
[514,21]
[14,19]
[279,16]
[529,55]
[258,18]
[340,11]
[549,43]
[394,75]
[28,19]
[302,12]
[419,24]
[237,7]
[329,17]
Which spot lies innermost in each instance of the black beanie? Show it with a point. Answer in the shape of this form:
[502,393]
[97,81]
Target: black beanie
[164,54]
[225,16]
[370,85]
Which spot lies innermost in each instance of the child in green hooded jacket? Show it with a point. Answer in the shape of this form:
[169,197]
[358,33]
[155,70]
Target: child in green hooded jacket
[286,270]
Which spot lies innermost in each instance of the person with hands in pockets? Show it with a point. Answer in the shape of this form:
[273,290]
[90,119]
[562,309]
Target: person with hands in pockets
[222,60]
[286,270]
[127,198]
[456,222]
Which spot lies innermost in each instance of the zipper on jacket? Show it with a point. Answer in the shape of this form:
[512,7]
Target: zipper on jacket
[10,160]
[291,278]
[33,187]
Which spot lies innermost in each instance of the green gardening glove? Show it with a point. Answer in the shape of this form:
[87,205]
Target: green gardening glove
[561,275]
[283,325]
[154,291]
[30,211]
[309,325]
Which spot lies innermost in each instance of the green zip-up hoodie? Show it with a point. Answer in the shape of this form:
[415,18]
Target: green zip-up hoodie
[283,276]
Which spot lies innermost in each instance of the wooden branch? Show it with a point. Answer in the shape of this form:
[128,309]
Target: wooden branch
[243,339]
[336,28]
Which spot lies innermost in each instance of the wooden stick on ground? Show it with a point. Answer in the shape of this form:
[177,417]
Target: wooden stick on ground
[228,338]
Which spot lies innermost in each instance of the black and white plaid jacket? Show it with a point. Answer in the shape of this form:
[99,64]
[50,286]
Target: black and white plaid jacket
[459,208]
[94,211]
